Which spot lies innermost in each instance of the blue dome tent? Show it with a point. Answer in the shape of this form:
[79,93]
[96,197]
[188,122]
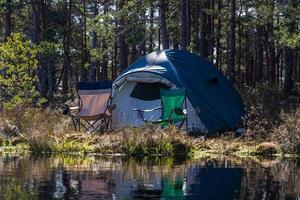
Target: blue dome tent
[212,102]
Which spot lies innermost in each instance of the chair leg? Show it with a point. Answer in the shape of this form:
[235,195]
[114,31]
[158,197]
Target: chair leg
[74,123]
[101,125]
[81,124]
[94,128]
[141,115]
[108,121]
[77,123]
[105,123]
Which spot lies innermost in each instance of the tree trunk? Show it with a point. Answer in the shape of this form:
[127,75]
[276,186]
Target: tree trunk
[281,66]
[35,33]
[218,48]
[239,43]
[159,38]
[84,75]
[142,48]
[94,45]
[42,70]
[203,31]
[291,26]
[271,65]
[104,62]
[67,72]
[271,59]
[8,24]
[209,33]
[212,31]
[259,55]
[231,43]
[183,41]
[298,61]
[122,42]
[142,45]
[188,21]
[197,27]
[288,66]
[248,55]
[115,70]
[151,44]
[163,25]
[50,78]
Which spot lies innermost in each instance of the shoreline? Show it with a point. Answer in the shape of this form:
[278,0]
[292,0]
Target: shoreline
[244,150]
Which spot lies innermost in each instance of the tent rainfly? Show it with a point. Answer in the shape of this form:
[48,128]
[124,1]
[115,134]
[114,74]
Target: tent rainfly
[211,101]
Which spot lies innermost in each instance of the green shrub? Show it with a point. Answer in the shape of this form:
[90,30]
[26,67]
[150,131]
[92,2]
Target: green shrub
[18,76]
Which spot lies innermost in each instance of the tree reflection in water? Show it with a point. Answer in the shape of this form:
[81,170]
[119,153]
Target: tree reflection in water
[155,178]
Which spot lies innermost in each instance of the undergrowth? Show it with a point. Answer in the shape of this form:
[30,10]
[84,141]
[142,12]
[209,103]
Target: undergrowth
[272,126]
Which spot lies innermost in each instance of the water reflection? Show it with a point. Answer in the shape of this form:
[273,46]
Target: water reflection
[127,178]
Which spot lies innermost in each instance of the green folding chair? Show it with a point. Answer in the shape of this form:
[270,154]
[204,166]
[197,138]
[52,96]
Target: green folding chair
[172,103]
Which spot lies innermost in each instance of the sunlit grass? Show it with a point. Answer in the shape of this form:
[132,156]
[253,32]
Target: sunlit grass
[268,132]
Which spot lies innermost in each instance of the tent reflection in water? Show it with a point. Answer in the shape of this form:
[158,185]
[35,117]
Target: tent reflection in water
[212,103]
[212,183]
[204,183]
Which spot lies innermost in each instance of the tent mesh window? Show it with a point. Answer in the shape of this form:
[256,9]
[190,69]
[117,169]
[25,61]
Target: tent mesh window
[148,91]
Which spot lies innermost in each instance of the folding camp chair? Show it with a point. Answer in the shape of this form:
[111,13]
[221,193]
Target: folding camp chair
[172,103]
[94,111]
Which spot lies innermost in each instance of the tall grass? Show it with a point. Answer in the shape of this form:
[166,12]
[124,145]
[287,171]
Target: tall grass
[272,126]
[50,132]
[149,140]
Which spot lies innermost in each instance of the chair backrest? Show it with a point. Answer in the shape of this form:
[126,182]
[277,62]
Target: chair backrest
[172,99]
[94,97]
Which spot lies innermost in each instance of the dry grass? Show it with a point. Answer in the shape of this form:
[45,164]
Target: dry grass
[48,131]
[263,105]
[287,134]
[272,126]
[272,117]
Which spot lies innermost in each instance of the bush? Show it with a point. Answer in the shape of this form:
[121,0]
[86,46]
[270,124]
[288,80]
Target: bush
[36,126]
[18,76]
[288,133]
[263,106]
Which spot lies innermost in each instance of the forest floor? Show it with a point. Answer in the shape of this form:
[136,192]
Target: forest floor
[272,128]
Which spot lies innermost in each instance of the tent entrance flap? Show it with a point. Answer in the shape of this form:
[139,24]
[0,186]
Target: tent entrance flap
[148,91]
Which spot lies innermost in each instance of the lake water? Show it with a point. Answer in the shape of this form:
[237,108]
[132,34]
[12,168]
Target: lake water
[74,177]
